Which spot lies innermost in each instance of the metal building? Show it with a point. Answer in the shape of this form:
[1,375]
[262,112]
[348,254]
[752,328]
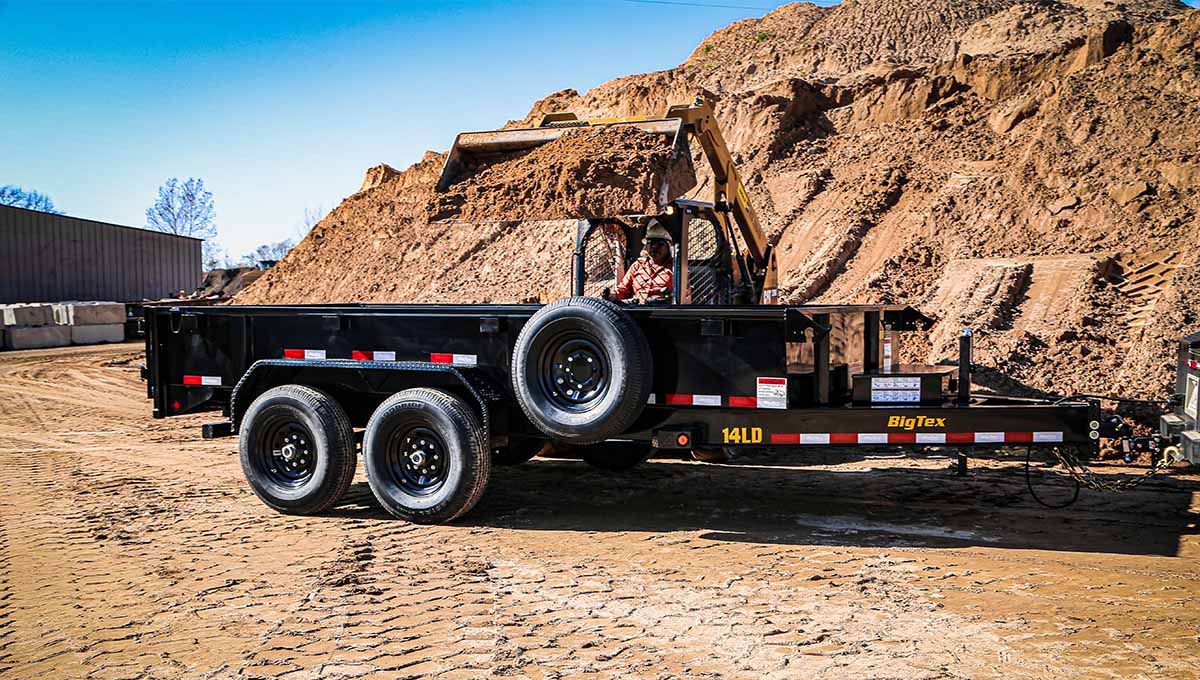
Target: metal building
[52,258]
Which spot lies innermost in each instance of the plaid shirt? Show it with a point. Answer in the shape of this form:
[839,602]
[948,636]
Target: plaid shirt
[645,280]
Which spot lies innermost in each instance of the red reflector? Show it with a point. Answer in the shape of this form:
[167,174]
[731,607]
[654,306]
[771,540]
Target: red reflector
[293,354]
[176,406]
[442,358]
[785,439]
[960,437]
[902,438]
[843,438]
[1018,437]
[682,440]
[193,380]
[743,402]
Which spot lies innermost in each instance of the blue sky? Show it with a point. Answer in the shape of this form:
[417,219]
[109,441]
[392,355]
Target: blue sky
[281,106]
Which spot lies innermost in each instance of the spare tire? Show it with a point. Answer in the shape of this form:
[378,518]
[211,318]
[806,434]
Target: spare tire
[582,370]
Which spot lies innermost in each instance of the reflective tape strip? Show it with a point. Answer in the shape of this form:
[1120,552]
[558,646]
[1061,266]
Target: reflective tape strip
[372,356]
[716,400]
[843,438]
[209,380]
[303,354]
[454,359]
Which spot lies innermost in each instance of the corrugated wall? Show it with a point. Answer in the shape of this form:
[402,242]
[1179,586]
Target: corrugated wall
[51,258]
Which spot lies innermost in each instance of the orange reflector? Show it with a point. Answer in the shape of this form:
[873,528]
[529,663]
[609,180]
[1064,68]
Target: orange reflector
[682,440]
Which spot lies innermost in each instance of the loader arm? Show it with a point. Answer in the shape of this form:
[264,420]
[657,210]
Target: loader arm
[727,190]
[755,267]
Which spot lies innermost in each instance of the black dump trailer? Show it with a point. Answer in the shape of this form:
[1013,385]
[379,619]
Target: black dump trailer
[433,395]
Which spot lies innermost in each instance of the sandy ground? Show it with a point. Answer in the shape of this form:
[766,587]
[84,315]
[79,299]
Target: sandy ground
[130,548]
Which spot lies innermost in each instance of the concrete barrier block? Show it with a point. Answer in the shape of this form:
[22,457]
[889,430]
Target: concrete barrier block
[28,315]
[36,337]
[91,335]
[89,313]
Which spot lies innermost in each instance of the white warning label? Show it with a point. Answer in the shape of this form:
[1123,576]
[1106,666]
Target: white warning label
[1192,397]
[894,396]
[895,383]
[772,393]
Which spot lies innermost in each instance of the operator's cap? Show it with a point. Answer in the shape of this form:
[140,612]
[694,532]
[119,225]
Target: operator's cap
[655,229]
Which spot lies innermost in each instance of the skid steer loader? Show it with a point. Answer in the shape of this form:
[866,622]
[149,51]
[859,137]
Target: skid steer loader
[721,254]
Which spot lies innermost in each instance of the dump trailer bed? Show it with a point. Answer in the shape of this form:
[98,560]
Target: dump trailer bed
[685,377]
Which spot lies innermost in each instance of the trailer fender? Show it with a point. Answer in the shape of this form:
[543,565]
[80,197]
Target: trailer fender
[372,378]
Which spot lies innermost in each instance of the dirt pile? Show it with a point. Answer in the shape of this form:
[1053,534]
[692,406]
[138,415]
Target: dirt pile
[585,173]
[224,283]
[1020,166]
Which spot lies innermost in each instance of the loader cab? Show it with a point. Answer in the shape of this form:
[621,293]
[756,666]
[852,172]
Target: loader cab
[706,269]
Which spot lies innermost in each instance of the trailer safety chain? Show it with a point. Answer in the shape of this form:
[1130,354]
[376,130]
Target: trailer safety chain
[1084,477]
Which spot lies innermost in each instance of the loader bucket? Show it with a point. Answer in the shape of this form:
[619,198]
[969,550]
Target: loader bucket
[473,151]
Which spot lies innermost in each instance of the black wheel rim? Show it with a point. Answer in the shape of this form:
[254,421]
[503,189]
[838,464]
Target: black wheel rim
[287,451]
[575,372]
[417,460]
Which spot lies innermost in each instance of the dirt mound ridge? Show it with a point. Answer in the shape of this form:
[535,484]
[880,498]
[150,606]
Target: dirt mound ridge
[888,147]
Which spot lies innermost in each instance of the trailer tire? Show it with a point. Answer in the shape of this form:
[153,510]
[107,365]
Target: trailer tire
[426,456]
[296,448]
[616,456]
[610,350]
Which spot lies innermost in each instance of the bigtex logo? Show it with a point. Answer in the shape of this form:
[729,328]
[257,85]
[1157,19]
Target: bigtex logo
[913,423]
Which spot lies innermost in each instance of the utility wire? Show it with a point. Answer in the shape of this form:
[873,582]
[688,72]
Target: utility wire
[699,4]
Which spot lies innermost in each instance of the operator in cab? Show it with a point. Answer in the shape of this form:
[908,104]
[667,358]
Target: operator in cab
[652,277]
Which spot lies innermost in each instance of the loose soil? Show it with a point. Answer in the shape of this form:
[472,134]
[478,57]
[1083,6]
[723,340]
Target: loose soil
[130,547]
[603,172]
[225,283]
